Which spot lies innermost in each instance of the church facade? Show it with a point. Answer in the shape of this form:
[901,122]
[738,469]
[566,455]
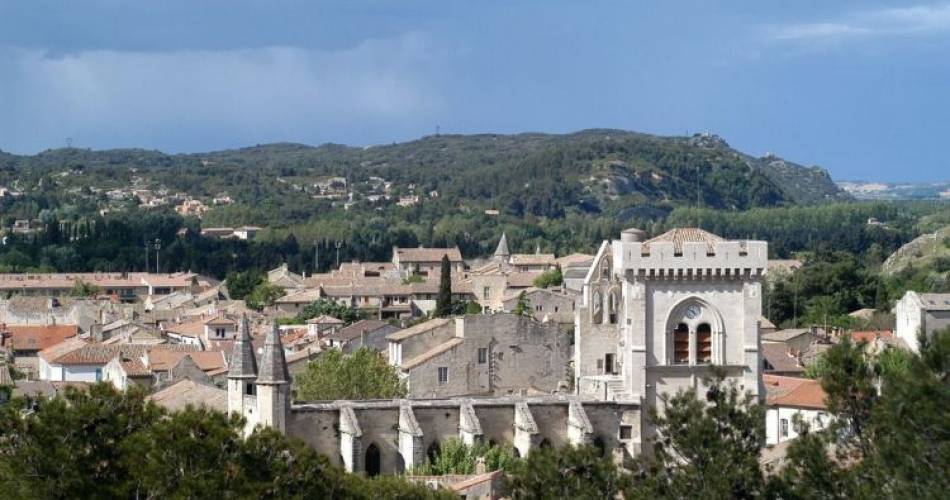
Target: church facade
[654,317]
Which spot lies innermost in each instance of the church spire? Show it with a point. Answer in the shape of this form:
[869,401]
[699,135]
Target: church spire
[273,364]
[502,250]
[243,362]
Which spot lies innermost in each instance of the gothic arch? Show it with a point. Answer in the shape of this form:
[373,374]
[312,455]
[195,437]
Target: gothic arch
[702,320]
[597,307]
[373,460]
[613,305]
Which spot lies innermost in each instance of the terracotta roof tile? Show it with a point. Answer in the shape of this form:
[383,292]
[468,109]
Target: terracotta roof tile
[428,254]
[38,337]
[682,235]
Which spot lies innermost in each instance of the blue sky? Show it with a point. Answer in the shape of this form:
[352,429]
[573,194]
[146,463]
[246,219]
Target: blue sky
[861,88]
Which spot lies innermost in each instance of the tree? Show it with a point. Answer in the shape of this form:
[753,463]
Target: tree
[523,307]
[364,374]
[568,472]
[549,279]
[443,304]
[241,284]
[892,443]
[84,289]
[326,307]
[263,296]
[705,445]
[101,443]
[456,457]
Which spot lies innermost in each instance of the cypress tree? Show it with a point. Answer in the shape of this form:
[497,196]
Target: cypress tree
[443,305]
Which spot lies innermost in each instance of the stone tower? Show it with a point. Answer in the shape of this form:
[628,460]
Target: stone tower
[242,372]
[273,384]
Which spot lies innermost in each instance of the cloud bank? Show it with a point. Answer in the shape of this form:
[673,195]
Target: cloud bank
[160,99]
[906,21]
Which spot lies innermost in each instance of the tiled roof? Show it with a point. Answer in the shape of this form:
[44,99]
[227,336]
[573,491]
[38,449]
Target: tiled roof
[785,335]
[428,254]
[324,320]
[100,354]
[38,337]
[575,259]
[803,393]
[357,329]
[935,301]
[102,280]
[871,336]
[523,280]
[777,355]
[164,359]
[682,235]
[431,353]
[418,329]
[50,354]
[533,259]
[133,367]
[186,392]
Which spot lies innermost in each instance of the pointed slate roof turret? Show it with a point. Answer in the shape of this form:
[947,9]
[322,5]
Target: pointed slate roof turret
[502,250]
[273,365]
[243,362]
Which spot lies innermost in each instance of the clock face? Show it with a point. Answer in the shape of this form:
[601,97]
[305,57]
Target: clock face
[692,312]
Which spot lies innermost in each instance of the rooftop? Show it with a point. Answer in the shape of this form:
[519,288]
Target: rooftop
[427,254]
[417,329]
[38,337]
[679,236]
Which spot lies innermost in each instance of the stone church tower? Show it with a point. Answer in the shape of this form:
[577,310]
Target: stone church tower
[661,315]
[261,397]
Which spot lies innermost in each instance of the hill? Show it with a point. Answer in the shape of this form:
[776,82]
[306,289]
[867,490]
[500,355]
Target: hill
[592,171]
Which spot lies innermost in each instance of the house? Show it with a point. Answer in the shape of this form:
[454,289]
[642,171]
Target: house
[779,359]
[370,333]
[158,366]
[203,332]
[796,339]
[787,397]
[427,261]
[921,313]
[76,360]
[127,287]
[24,343]
[544,304]
[494,354]
[186,392]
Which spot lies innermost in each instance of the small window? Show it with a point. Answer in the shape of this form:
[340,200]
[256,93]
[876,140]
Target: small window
[249,389]
[783,430]
[555,308]
[482,355]
[626,432]
[600,366]
[486,293]
[443,375]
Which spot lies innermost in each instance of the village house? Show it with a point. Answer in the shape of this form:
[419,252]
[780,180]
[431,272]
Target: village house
[788,397]
[127,287]
[470,355]
[202,332]
[544,304]
[369,333]
[427,261]
[921,313]
[24,343]
[76,360]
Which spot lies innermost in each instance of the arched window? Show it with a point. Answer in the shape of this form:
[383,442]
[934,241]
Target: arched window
[612,306]
[433,451]
[681,344]
[373,461]
[704,344]
[597,307]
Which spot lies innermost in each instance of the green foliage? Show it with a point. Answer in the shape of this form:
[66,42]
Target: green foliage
[456,457]
[102,443]
[326,307]
[241,284]
[568,472]
[263,295]
[84,289]
[705,445]
[523,307]
[443,304]
[549,279]
[415,278]
[893,443]
[363,374]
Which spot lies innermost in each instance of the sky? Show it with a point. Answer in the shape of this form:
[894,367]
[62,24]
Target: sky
[861,88]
